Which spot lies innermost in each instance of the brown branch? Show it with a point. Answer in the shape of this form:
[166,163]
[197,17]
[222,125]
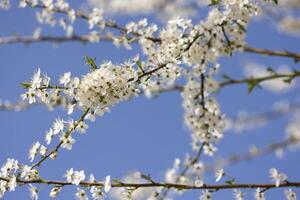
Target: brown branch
[288,54]
[43,38]
[258,80]
[157,184]
[82,15]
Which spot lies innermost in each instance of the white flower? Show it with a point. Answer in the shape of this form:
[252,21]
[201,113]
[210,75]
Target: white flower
[36,79]
[96,18]
[43,150]
[54,191]
[238,194]
[219,174]
[94,36]
[91,116]
[68,142]
[81,195]
[9,167]
[30,95]
[12,184]
[277,177]
[82,127]
[72,15]
[49,136]
[75,177]
[22,3]
[107,184]
[209,149]
[290,194]
[65,79]
[28,173]
[33,192]
[70,108]
[206,195]
[5,4]
[33,151]
[97,193]
[198,183]
[69,174]
[258,195]
[58,126]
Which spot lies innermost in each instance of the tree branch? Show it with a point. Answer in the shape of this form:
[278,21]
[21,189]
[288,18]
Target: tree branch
[258,80]
[162,184]
[67,133]
[288,54]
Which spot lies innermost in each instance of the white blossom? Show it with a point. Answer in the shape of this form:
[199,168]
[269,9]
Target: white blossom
[238,194]
[81,195]
[97,193]
[82,127]
[33,192]
[58,126]
[290,194]
[65,79]
[5,4]
[107,184]
[277,177]
[33,151]
[10,167]
[259,195]
[96,18]
[49,136]
[54,191]
[75,177]
[219,174]
[28,173]
[67,142]
[206,195]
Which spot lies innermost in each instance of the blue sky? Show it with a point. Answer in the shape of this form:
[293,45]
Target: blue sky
[141,134]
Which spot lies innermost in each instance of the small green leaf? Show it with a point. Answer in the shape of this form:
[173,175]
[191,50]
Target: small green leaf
[140,65]
[214,2]
[252,83]
[117,181]
[26,85]
[241,27]
[147,177]
[226,77]
[269,69]
[91,62]
[288,80]
[230,182]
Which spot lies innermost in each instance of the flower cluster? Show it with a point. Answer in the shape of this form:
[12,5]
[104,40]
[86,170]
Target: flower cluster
[11,171]
[106,86]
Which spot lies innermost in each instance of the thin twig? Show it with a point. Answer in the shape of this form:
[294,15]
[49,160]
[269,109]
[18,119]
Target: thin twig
[67,133]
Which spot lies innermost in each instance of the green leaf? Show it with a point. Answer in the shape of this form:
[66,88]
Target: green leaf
[288,80]
[226,77]
[26,85]
[241,27]
[214,2]
[91,62]
[230,182]
[269,69]
[252,83]
[276,2]
[147,177]
[140,65]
